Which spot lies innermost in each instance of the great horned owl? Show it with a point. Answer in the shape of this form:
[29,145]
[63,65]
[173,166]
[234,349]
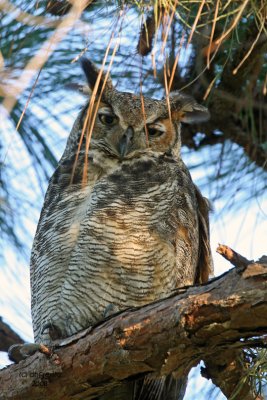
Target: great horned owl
[127,226]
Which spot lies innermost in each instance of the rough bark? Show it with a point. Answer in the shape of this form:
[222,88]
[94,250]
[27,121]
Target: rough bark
[169,336]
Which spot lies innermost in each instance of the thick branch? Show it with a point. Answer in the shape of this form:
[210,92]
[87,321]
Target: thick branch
[168,336]
[7,336]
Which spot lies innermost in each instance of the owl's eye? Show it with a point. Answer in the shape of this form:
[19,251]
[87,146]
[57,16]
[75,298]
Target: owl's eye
[154,131]
[108,119]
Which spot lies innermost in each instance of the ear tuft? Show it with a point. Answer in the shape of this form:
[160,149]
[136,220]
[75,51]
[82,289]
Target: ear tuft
[185,109]
[91,72]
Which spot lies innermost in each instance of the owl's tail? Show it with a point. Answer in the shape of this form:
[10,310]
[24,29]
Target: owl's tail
[165,388]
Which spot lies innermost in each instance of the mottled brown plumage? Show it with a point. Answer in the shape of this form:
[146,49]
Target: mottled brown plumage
[129,233]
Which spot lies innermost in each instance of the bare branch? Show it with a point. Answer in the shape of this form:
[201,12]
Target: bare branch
[230,255]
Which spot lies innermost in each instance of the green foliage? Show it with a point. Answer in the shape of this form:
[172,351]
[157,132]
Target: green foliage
[256,372]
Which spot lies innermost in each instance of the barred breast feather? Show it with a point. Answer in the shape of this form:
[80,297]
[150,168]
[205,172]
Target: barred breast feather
[124,239]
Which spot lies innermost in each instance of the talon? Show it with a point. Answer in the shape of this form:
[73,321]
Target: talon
[56,359]
[45,350]
[49,352]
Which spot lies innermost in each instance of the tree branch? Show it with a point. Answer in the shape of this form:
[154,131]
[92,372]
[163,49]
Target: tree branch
[232,256]
[168,336]
[7,336]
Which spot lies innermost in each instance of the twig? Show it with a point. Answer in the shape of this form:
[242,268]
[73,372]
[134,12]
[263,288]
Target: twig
[232,256]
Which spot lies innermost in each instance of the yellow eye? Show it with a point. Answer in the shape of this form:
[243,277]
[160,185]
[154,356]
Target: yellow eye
[108,119]
[154,131]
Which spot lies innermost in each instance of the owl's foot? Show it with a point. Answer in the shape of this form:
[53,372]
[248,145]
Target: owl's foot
[18,352]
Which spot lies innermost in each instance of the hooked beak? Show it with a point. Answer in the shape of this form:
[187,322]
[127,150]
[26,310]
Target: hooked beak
[125,141]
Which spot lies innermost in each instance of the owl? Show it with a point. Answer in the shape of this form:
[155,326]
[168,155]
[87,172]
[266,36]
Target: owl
[122,223]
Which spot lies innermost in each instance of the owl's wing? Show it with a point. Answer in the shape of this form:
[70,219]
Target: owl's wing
[58,182]
[205,264]
[50,201]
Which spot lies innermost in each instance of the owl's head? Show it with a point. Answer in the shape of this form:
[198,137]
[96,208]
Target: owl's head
[127,125]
